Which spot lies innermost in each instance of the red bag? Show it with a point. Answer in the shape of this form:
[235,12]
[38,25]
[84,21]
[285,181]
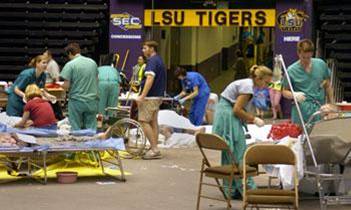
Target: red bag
[281,130]
[52,85]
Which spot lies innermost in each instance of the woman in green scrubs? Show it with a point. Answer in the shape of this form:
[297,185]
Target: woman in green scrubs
[108,85]
[231,115]
[34,75]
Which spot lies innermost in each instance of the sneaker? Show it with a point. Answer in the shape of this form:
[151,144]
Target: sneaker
[151,155]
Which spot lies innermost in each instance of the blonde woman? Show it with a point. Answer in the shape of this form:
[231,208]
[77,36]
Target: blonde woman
[37,112]
[231,115]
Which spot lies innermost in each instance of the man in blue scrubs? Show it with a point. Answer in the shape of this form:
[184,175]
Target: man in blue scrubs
[194,84]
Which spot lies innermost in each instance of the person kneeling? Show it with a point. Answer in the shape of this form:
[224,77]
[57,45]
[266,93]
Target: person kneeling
[37,112]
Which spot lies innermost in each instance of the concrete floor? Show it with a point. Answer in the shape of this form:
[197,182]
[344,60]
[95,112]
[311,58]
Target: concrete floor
[170,183]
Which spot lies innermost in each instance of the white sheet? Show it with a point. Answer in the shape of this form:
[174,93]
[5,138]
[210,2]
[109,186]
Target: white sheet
[283,172]
[9,121]
[172,119]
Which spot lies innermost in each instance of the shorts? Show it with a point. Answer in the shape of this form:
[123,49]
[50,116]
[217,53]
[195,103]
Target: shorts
[211,107]
[147,109]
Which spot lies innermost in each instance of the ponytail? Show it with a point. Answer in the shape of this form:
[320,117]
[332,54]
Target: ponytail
[260,72]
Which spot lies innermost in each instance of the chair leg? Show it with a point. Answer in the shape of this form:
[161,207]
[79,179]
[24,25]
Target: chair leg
[221,188]
[199,193]
[229,192]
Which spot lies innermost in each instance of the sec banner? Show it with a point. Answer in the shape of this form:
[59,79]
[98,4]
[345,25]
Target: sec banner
[210,18]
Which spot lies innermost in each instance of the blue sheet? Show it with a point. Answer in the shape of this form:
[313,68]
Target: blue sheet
[42,132]
[117,144]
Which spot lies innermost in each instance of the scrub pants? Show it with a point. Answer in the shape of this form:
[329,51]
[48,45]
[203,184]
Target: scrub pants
[82,115]
[108,95]
[229,127]
[14,106]
[198,110]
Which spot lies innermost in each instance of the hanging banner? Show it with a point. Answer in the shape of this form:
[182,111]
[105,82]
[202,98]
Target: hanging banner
[126,32]
[210,18]
[292,20]
[294,23]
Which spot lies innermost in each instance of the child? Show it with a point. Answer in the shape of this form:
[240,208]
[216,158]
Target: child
[37,112]
[261,100]
[275,90]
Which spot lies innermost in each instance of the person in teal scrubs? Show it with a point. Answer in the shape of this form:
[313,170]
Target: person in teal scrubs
[310,78]
[80,76]
[231,116]
[33,75]
[109,80]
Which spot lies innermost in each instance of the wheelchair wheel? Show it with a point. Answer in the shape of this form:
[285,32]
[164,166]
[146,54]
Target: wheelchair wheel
[132,134]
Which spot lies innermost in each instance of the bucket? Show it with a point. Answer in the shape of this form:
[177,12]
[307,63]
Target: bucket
[66,177]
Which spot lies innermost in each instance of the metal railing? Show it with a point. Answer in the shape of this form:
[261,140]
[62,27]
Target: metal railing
[338,89]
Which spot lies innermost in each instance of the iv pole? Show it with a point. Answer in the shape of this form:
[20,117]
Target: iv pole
[280,58]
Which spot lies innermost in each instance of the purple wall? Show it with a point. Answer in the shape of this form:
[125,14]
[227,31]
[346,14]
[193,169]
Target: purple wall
[288,47]
[126,31]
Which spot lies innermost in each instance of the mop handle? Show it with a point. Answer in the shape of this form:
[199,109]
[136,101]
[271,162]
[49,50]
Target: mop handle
[280,57]
[149,98]
[158,98]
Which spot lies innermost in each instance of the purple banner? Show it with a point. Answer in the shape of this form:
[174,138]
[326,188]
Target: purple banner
[126,32]
[294,22]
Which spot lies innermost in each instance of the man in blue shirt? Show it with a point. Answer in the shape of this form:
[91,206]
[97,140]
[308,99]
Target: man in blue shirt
[152,90]
[194,84]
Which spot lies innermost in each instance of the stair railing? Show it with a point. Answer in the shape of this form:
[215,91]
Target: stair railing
[336,84]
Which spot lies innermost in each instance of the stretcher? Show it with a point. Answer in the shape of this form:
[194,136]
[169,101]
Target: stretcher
[330,140]
[326,142]
[27,161]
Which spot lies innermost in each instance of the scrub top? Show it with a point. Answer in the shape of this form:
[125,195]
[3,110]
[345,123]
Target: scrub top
[194,79]
[309,83]
[26,77]
[82,73]
[108,74]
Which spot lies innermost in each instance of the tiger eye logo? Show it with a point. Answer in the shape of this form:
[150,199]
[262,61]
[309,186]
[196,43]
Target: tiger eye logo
[292,20]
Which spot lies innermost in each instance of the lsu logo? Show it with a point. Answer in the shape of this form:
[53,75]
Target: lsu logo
[126,21]
[292,20]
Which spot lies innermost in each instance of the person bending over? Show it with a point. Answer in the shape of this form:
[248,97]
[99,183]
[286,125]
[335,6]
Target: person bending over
[231,116]
[37,111]
[194,84]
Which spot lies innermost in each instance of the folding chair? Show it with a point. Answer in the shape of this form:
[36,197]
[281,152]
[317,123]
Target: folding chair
[228,172]
[266,197]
